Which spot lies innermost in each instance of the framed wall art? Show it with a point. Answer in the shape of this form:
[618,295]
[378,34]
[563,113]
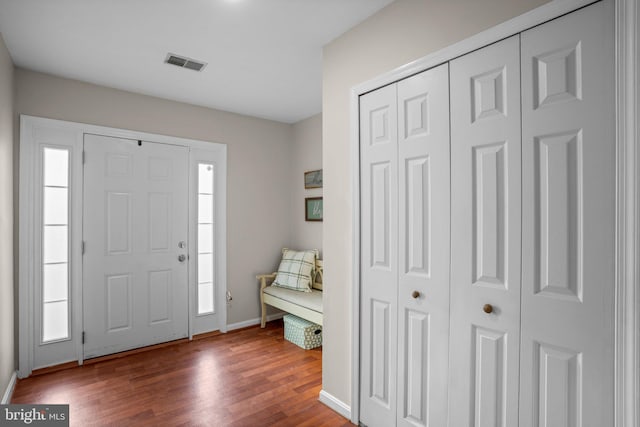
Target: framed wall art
[313,209]
[313,179]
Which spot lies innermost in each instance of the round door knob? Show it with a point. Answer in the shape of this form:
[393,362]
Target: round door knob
[488,308]
[181,258]
[415,294]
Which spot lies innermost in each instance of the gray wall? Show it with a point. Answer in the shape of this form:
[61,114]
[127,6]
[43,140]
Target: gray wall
[307,156]
[259,159]
[7,360]
[400,33]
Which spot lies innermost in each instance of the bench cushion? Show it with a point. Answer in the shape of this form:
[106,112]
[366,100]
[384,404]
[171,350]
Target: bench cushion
[311,300]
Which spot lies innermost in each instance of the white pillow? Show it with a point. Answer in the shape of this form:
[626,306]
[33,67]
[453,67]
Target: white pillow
[296,270]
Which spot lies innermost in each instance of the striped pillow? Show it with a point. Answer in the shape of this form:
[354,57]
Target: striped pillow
[296,270]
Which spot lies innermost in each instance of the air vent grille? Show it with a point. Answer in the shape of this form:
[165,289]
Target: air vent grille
[193,65]
[184,62]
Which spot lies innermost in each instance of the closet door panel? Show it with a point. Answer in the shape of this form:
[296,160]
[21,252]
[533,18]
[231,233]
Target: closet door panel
[485,236]
[379,256]
[423,289]
[568,221]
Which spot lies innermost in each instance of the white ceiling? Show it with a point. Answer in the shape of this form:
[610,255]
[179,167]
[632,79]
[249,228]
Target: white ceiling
[264,56]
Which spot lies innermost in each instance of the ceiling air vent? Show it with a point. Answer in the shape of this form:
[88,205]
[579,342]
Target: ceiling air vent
[184,62]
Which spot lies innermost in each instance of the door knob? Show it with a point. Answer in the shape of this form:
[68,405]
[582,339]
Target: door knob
[181,258]
[488,308]
[415,294]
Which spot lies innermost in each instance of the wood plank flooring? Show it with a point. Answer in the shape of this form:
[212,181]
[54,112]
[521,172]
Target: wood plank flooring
[251,377]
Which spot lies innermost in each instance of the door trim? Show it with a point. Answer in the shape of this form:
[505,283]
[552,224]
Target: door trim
[627,298]
[27,225]
[627,282]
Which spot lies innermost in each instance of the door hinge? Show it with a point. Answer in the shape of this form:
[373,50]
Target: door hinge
[82,337]
[82,247]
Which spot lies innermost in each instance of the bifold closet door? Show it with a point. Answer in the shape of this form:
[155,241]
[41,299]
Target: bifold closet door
[379,260]
[423,287]
[568,221]
[485,236]
[404,146]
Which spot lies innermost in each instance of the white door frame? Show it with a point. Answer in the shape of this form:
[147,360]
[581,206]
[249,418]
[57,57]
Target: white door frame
[627,298]
[71,135]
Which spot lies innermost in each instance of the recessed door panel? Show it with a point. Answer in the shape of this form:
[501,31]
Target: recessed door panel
[558,386]
[380,215]
[160,224]
[380,352]
[485,236]
[416,116]
[159,296]
[118,301]
[488,94]
[418,221]
[489,375]
[118,165]
[118,222]
[380,125]
[557,75]
[490,215]
[415,405]
[558,193]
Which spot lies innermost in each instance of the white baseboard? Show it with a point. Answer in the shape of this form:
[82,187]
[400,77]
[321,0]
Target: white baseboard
[336,404]
[6,397]
[252,322]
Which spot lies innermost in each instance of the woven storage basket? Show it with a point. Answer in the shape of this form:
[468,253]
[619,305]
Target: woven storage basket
[301,332]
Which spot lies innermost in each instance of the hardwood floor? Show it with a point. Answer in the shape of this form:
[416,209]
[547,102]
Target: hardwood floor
[251,377]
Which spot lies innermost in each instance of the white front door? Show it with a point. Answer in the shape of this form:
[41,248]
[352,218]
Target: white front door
[135,235]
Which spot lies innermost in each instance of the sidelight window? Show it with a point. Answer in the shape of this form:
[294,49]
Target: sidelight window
[206,227]
[55,244]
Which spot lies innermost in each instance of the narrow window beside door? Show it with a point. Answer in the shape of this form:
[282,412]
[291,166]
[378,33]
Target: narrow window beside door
[205,297]
[55,245]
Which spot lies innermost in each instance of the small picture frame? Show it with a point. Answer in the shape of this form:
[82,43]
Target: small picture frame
[313,209]
[313,179]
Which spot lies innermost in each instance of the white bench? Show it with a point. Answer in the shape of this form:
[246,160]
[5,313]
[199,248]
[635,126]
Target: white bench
[307,305]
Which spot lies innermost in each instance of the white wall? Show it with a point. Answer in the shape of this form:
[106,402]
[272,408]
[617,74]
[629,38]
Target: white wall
[400,33]
[259,161]
[7,349]
[307,156]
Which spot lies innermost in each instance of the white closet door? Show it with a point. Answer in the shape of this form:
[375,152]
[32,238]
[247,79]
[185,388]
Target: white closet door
[379,259]
[568,221]
[423,291]
[485,232]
